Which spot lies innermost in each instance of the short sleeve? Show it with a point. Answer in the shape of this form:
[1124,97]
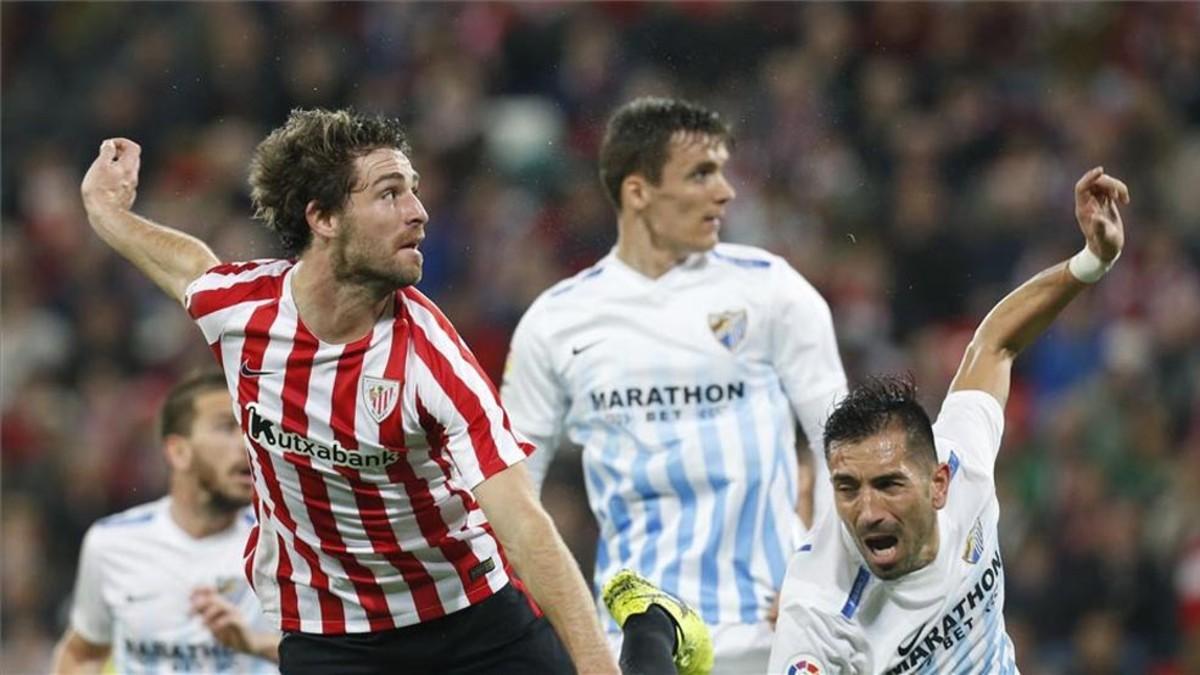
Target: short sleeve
[456,398]
[805,355]
[533,395]
[214,298]
[91,615]
[968,431]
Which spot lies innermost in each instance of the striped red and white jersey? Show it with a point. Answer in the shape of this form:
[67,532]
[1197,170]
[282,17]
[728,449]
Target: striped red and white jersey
[364,456]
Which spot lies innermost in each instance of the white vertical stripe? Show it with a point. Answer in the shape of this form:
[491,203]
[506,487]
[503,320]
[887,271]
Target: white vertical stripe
[270,390]
[318,406]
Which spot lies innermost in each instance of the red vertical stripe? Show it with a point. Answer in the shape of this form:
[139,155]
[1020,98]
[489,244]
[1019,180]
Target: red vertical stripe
[312,485]
[287,593]
[253,348]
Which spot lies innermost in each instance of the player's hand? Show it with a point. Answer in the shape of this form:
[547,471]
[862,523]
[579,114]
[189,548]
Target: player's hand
[227,624]
[111,182]
[1096,197]
[773,613]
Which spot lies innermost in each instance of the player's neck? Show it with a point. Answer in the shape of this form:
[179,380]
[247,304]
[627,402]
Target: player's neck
[928,552]
[195,515]
[334,311]
[637,249]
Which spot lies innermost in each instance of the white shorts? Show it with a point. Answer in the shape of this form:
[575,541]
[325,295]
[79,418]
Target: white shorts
[738,648]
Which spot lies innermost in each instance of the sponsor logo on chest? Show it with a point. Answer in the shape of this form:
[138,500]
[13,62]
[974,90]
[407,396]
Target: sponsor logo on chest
[271,435]
[960,623]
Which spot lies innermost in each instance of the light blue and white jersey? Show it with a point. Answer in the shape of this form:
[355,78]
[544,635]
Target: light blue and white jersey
[947,617]
[683,392]
[136,574]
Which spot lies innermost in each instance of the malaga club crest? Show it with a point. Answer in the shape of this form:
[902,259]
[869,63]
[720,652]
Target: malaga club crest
[381,396]
[728,327]
[973,551]
[804,665]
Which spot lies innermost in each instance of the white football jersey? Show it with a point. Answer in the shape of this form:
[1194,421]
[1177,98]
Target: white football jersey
[947,617]
[136,573]
[683,392]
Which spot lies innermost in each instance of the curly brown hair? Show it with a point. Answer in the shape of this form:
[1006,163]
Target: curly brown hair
[311,157]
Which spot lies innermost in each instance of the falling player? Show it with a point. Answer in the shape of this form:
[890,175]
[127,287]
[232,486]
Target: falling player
[908,578]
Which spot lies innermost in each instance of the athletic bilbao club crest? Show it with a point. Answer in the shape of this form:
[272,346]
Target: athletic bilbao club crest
[804,665]
[728,327]
[381,396]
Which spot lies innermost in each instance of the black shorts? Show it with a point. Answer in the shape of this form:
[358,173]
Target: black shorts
[500,635]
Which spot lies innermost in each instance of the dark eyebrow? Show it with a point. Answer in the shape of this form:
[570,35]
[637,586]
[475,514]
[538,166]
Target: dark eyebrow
[396,175]
[893,476]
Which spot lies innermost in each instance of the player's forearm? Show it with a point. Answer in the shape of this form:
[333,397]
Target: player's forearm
[546,567]
[264,646]
[68,664]
[1024,314]
[73,657]
[168,257]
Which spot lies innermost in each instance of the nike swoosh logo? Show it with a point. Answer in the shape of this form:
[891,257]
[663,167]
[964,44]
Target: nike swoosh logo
[130,599]
[905,648]
[576,351]
[247,371]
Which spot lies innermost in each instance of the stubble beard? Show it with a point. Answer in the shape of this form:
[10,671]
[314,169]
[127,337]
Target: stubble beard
[219,501]
[352,265]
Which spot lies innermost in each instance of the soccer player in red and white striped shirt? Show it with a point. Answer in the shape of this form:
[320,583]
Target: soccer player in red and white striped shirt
[392,502]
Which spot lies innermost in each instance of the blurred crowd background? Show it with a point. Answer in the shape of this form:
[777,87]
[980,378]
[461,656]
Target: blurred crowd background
[913,161]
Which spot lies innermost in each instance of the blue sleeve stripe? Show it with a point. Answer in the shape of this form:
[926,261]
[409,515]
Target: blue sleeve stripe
[122,519]
[856,591]
[742,262]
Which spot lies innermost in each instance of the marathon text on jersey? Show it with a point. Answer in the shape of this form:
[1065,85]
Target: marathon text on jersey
[268,434]
[183,658]
[672,395]
[955,624]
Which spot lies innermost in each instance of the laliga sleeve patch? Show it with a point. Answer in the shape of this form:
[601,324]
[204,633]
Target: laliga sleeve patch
[803,664]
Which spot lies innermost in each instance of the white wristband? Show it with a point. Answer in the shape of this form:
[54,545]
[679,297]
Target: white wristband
[1088,267]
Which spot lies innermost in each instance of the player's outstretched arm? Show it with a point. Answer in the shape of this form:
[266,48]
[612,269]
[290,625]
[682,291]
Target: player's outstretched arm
[545,565]
[74,655]
[170,258]
[229,627]
[1022,315]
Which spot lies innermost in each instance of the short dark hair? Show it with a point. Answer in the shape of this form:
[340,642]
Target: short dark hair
[640,132]
[179,410]
[312,157]
[876,405]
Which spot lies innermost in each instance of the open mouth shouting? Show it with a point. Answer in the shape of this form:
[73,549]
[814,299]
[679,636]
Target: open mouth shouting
[881,550]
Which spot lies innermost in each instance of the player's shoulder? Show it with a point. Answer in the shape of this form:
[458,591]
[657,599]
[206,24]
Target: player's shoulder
[969,412]
[230,283]
[261,270]
[745,257]
[582,285]
[131,522]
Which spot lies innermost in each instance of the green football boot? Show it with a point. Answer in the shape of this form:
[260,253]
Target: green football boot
[628,593]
